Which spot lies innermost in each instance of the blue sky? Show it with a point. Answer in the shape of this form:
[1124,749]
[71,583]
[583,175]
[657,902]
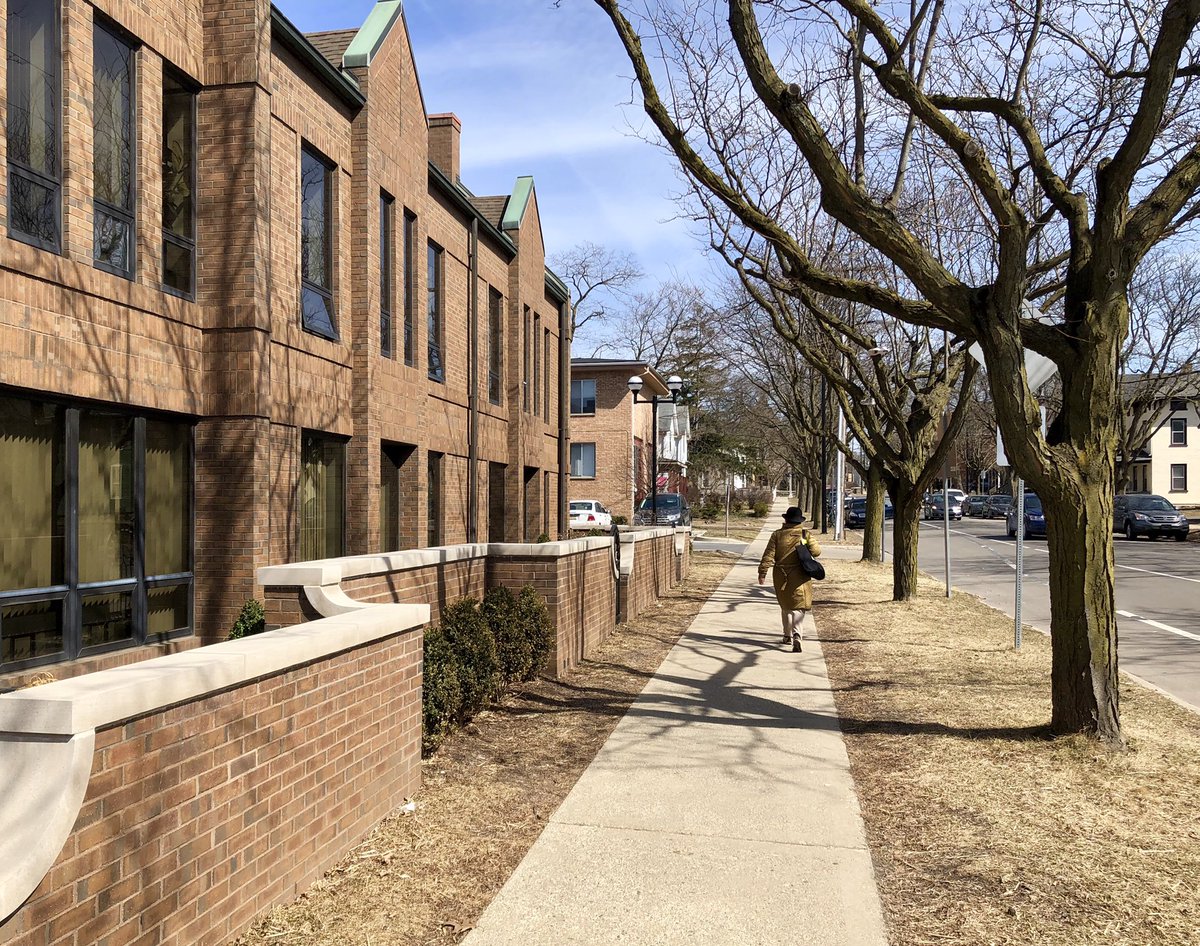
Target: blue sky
[540,91]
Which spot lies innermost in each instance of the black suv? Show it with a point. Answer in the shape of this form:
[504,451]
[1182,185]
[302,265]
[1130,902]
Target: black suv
[672,511]
[1142,514]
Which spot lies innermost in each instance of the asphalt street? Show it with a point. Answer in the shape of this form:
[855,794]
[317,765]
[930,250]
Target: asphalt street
[1157,587]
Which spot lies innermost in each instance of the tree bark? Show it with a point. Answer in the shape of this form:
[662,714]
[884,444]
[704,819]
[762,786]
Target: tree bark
[906,526]
[873,528]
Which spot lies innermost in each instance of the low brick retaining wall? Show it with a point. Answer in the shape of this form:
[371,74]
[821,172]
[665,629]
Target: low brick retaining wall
[176,799]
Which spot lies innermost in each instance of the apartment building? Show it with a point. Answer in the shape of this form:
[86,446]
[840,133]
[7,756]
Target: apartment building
[249,315]
[1169,464]
[610,435]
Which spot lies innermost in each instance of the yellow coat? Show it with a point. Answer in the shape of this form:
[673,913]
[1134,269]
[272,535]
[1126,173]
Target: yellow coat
[793,587]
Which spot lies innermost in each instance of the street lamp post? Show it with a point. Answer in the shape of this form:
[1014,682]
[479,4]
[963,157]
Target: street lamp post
[674,385]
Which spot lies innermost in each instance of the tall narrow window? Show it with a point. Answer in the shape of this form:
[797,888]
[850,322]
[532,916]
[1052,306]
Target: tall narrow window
[437,370]
[386,346]
[495,345]
[316,245]
[433,504]
[525,329]
[535,394]
[1179,478]
[583,460]
[1178,431]
[34,78]
[113,151]
[583,395]
[546,375]
[410,288]
[322,496]
[179,186]
[389,499]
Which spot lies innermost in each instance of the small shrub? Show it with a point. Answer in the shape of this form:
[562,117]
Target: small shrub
[544,537]
[619,520]
[252,619]
[513,650]
[760,509]
[533,618]
[441,694]
[475,652]
[710,509]
[737,504]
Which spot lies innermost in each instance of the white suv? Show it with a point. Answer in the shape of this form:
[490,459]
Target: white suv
[589,514]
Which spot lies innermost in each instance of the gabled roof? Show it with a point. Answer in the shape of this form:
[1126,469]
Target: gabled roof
[342,85]
[492,208]
[331,44]
[518,203]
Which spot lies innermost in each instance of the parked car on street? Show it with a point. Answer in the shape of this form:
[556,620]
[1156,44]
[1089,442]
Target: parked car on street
[672,511]
[1144,514]
[856,513]
[975,505]
[998,506]
[589,514]
[1035,517]
[934,508]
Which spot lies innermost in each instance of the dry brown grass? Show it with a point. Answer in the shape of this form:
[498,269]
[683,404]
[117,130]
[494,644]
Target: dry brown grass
[742,528]
[984,830]
[425,875]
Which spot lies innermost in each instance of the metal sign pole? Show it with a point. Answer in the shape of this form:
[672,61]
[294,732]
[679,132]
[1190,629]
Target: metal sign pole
[1020,561]
[946,523]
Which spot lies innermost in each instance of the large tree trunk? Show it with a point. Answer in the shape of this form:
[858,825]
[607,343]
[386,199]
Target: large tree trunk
[905,531]
[873,528]
[1073,472]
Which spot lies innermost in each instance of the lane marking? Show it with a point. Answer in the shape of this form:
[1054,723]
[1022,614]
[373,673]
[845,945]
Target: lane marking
[1171,630]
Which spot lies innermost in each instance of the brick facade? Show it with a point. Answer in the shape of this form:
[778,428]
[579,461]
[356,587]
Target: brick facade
[620,432]
[234,361]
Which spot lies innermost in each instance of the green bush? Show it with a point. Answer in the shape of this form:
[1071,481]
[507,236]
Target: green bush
[441,695]
[252,619]
[620,520]
[760,509]
[542,538]
[711,509]
[475,651]
[513,650]
[533,618]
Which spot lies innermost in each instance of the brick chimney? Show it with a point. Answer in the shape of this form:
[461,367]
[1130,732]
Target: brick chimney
[444,133]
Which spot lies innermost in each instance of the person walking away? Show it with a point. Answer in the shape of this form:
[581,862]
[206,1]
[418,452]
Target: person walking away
[793,586]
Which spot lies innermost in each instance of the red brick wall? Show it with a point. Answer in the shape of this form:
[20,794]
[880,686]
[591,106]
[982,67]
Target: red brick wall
[200,817]
[654,573]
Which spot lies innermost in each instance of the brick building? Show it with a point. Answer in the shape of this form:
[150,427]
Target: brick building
[249,315]
[610,435]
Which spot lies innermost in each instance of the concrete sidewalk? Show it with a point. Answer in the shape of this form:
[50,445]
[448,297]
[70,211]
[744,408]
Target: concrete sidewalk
[719,811]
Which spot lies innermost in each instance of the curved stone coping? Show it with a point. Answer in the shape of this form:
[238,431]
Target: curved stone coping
[96,700]
[42,782]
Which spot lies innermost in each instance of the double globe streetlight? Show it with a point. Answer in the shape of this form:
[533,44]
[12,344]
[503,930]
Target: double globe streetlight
[674,385]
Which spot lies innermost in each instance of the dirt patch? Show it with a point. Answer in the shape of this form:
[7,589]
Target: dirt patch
[426,874]
[983,829]
[745,529]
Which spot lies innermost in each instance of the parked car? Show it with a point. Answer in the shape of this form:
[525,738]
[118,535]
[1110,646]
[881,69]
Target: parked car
[1035,518]
[957,494]
[856,514]
[1148,515]
[589,514]
[672,511]
[975,505]
[935,509]
[998,506]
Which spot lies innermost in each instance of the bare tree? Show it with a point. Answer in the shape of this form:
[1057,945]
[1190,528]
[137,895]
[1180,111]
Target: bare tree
[1072,141]
[600,280]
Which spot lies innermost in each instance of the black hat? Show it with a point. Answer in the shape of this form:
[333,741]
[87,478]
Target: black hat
[794,516]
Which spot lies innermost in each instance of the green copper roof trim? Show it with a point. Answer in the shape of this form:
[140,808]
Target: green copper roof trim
[341,84]
[459,197]
[558,289]
[374,31]
[517,204]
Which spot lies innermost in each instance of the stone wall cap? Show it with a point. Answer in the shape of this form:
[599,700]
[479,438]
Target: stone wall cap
[100,699]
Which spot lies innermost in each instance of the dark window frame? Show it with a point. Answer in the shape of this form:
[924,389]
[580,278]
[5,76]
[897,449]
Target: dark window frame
[535,391]
[344,443]
[582,401]
[387,228]
[1180,431]
[435,317]
[326,293]
[187,244]
[546,374]
[495,346]
[410,288]
[17,169]
[99,206]
[71,592]
[433,498]
[582,454]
